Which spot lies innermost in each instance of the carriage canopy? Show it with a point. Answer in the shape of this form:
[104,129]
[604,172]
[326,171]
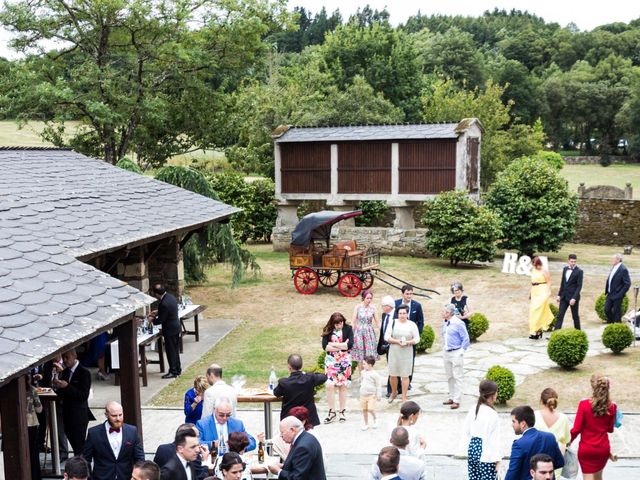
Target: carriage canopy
[317,226]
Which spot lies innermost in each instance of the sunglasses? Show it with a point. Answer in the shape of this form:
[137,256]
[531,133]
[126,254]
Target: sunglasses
[224,415]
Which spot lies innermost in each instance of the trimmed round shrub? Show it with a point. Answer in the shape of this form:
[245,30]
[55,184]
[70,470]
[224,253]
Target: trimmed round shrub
[600,306]
[426,339]
[478,324]
[554,311]
[506,381]
[617,337]
[568,348]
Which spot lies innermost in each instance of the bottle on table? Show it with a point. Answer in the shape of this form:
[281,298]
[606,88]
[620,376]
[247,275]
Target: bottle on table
[273,379]
[260,452]
[213,451]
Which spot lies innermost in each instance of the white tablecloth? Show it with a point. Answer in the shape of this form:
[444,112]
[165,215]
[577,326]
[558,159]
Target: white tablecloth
[115,355]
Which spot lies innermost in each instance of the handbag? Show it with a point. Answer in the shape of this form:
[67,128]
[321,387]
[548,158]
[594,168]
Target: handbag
[618,422]
[571,466]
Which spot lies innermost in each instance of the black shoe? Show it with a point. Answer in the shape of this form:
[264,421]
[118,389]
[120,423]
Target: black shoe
[388,395]
[169,375]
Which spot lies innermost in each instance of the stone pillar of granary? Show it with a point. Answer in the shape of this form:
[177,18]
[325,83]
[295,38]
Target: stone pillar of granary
[165,266]
[133,269]
[287,214]
[404,217]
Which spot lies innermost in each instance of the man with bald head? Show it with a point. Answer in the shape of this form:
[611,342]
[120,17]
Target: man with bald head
[113,446]
[304,461]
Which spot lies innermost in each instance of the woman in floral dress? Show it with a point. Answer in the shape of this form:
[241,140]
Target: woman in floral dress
[364,320]
[337,340]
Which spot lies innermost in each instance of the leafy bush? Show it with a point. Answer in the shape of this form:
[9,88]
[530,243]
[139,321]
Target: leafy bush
[617,337]
[127,164]
[478,324]
[373,213]
[506,381]
[256,199]
[554,311]
[600,305]
[426,339]
[568,348]
[537,211]
[460,229]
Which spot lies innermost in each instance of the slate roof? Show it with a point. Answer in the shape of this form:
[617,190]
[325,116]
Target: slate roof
[369,132]
[57,206]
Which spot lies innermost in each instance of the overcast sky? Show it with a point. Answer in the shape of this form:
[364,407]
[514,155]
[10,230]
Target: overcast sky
[586,15]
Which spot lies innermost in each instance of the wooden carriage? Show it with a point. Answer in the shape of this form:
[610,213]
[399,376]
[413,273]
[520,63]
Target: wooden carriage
[314,261]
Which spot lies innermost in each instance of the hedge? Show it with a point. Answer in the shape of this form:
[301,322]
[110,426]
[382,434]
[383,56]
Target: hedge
[568,348]
[617,337]
[478,324]
[506,381]
[426,339]
[600,306]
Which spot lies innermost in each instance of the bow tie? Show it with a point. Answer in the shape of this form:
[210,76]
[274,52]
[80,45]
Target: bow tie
[447,322]
[111,430]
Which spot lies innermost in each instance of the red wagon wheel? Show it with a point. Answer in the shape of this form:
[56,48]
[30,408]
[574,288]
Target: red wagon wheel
[329,278]
[305,280]
[367,280]
[349,285]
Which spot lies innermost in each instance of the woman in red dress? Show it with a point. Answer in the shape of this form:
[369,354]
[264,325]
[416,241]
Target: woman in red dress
[594,421]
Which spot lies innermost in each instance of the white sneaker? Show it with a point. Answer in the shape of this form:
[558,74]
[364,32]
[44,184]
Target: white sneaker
[365,427]
[374,424]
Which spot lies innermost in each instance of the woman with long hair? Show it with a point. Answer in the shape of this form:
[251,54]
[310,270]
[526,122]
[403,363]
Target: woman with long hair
[594,421]
[549,419]
[409,416]
[365,319]
[540,316]
[482,428]
[337,340]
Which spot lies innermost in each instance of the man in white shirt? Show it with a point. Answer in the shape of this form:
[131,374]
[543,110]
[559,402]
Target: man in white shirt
[182,465]
[410,467]
[218,389]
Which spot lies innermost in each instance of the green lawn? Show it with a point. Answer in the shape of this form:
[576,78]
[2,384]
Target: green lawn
[616,175]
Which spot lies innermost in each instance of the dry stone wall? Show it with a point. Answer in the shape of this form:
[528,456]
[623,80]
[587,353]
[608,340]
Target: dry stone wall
[608,222]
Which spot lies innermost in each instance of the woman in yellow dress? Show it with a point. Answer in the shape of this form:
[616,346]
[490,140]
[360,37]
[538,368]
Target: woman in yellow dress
[540,315]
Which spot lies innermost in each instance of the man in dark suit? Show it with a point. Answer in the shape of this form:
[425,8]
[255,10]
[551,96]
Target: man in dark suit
[145,470]
[569,293]
[415,315]
[182,465]
[167,451]
[304,461]
[531,443]
[298,389]
[616,287]
[113,446]
[72,387]
[167,317]
[386,323]
[389,463]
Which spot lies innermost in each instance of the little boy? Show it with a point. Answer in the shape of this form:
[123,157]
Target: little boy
[370,389]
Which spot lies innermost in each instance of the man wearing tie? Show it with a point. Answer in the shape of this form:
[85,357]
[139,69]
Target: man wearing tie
[569,293]
[72,387]
[388,306]
[415,315]
[182,466]
[217,427]
[455,341]
[618,283]
[113,446]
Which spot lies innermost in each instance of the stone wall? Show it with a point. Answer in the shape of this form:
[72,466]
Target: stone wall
[390,241]
[595,159]
[608,222]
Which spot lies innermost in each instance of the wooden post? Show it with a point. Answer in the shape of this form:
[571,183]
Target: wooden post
[129,379]
[15,441]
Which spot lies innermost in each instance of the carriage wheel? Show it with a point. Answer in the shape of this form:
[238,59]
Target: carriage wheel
[349,285]
[305,280]
[367,280]
[329,278]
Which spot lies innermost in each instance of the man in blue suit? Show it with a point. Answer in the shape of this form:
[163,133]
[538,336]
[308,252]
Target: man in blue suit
[217,427]
[304,461]
[531,443]
[616,287]
[389,463]
[416,316]
[113,446]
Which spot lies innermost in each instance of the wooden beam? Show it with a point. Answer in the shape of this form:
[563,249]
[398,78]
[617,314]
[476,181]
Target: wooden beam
[15,433]
[129,380]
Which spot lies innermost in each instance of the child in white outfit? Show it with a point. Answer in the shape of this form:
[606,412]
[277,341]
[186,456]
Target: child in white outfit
[370,391]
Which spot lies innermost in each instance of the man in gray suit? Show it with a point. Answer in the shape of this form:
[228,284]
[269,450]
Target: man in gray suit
[410,467]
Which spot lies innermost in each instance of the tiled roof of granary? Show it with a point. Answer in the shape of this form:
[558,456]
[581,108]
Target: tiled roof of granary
[57,206]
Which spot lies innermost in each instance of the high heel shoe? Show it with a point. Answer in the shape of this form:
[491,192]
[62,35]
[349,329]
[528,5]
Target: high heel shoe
[342,418]
[536,336]
[331,416]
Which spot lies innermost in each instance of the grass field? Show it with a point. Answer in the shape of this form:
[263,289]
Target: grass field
[276,320]
[617,175]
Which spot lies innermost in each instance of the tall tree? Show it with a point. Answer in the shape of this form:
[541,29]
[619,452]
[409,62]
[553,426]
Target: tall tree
[142,75]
